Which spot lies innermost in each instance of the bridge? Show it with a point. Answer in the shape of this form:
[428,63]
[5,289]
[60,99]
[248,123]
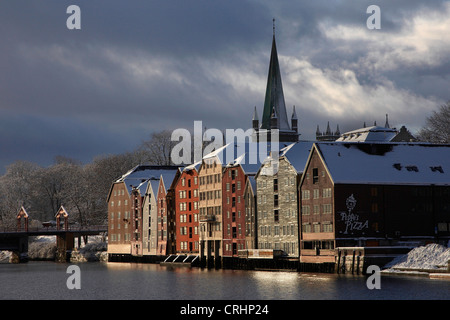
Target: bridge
[16,239]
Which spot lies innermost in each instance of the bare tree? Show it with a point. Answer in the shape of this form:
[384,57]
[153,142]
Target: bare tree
[17,189]
[437,126]
[157,149]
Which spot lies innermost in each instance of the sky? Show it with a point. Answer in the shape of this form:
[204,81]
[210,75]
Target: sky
[138,67]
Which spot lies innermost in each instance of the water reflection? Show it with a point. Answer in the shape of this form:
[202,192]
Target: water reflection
[47,280]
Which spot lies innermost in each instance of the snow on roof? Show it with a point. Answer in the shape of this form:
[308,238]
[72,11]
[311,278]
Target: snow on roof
[375,133]
[249,155]
[297,154]
[140,175]
[387,163]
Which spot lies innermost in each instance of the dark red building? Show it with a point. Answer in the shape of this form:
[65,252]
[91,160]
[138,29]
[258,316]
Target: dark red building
[373,194]
[187,212]
[233,210]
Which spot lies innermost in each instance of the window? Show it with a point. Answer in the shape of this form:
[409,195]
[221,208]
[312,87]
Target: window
[326,208]
[316,193]
[327,227]
[316,209]
[326,193]
[306,227]
[315,175]
[275,215]
[316,227]
[305,210]
[275,185]
[305,194]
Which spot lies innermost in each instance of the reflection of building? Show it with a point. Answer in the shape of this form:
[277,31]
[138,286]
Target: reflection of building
[363,195]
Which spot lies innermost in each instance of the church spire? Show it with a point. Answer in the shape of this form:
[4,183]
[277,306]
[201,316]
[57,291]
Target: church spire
[274,93]
[386,125]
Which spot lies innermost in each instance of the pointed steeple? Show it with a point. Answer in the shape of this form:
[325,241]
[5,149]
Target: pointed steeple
[338,132]
[318,133]
[274,93]
[328,129]
[294,120]
[274,119]
[255,120]
[386,125]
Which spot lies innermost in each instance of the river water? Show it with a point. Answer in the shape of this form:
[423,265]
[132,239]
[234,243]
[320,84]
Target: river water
[133,281]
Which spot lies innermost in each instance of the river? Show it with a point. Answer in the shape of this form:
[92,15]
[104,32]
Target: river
[133,281]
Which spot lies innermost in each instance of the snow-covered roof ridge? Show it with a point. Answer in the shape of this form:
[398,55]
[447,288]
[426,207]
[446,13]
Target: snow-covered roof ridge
[389,163]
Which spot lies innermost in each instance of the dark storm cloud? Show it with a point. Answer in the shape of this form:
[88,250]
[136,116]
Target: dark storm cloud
[141,66]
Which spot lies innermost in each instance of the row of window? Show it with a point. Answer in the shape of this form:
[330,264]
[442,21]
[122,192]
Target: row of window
[210,195]
[317,227]
[183,194]
[125,203]
[186,217]
[211,210]
[119,192]
[287,198]
[287,230]
[326,209]
[288,247]
[184,206]
[209,179]
[184,231]
[288,213]
[184,245]
[183,181]
[116,237]
[234,186]
[287,181]
[118,215]
[326,193]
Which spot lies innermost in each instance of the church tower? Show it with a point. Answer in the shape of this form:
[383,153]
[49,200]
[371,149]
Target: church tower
[274,112]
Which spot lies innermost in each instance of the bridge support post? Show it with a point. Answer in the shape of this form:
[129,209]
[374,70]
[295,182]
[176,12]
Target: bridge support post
[64,246]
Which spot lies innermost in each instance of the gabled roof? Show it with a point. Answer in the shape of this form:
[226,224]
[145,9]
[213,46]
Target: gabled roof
[22,213]
[249,155]
[369,134]
[386,163]
[140,175]
[295,153]
[61,211]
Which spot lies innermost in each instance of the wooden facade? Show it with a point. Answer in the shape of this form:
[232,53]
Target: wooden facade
[233,210]
[210,210]
[186,194]
[362,209]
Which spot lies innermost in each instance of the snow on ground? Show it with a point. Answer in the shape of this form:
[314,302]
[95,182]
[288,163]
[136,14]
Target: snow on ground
[431,256]
[5,256]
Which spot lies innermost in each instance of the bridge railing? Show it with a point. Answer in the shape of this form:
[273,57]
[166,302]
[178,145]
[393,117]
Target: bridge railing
[72,228]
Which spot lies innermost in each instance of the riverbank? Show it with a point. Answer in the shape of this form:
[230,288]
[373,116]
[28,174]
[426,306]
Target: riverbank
[432,260]
[43,248]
